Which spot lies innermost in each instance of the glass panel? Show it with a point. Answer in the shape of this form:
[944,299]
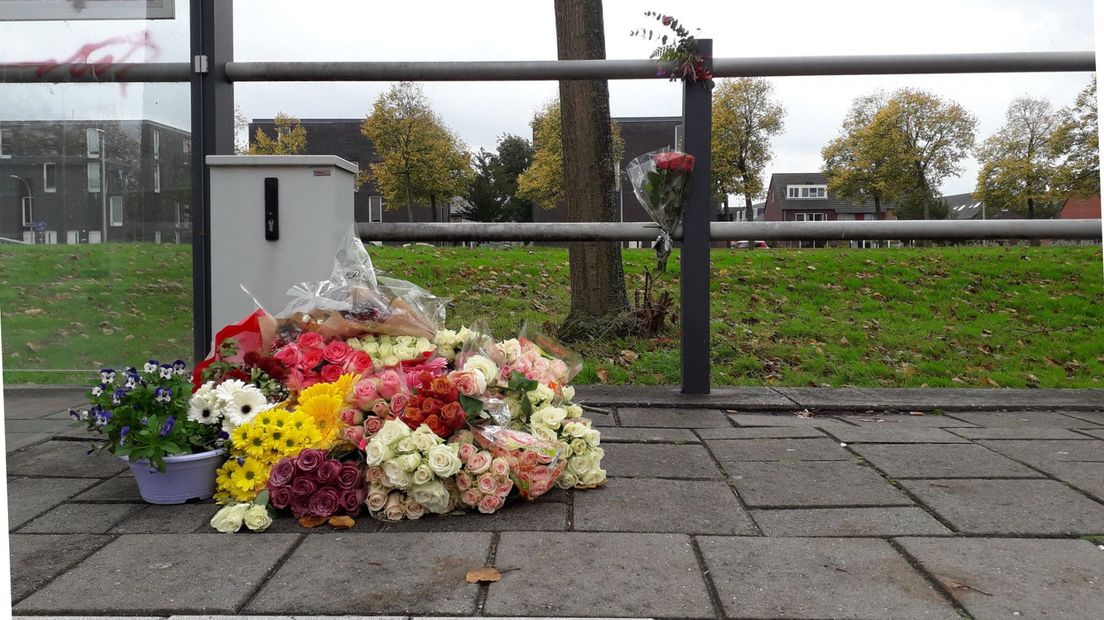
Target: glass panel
[89,288]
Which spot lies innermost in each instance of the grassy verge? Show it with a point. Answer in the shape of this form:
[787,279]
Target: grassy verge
[943,316]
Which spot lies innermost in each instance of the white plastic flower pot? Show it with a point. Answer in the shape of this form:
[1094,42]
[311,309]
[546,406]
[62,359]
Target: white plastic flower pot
[186,477]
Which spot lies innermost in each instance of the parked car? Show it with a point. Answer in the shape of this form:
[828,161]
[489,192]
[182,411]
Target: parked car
[759,245]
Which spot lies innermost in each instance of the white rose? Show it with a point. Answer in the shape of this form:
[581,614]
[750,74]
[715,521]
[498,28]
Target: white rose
[229,519]
[406,445]
[396,476]
[403,352]
[434,496]
[424,441]
[423,345]
[553,416]
[392,431]
[386,350]
[422,475]
[579,465]
[483,365]
[257,518]
[444,460]
[512,349]
[568,392]
[579,446]
[574,429]
[542,393]
[377,452]
[594,476]
[574,411]
[408,462]
[372,348]
[593,437]
[567,480]
[544,433]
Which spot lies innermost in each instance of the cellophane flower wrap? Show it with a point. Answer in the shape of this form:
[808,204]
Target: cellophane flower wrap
[660,180]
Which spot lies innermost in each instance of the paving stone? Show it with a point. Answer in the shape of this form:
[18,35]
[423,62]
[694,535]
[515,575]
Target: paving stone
[818,578]
[73,518]
[643,505]
[1021,432]
[941,461]
[35,426]
[1095,418]
[780,419]
[819,483]
[181,518]
[822,449]
[1028,507]
[622,434]
[928,399]
[894,434]
[267,617]
[1025,419]
[600,419]
[284,523]
[1098,433]
[659,461]
[64,459]
[163,573]
[672,418]
[517,515]
[1089,477]
[30,403]
[901,420]
[117,489]
[755,398]
[576,574]
[386,573]
[902,521]
[36,559]
[18,441]
[29,497]
[1017,577]
[760,432]
[1043,454]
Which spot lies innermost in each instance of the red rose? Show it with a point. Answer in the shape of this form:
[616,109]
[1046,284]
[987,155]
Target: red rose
[664,160]
[337,352]
[686,162]
[309,459]
[281,473]
[666,20]
[251,358]
[303,487]
[300,505]
[279,497]
[443,388]
[325,502]
[359,363]
[431,406]
[311,359]
[350,501]
[454,415]
[437,426]
[348,477]
[239,374]
[331,373]
[327,472]
[310,340]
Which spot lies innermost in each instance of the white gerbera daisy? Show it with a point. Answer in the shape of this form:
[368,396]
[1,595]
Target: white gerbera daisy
[243,405]
[204,406]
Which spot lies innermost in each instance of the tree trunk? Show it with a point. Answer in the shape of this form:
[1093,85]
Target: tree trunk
[1031,215]
[409,201]
[433,206]
[598,301]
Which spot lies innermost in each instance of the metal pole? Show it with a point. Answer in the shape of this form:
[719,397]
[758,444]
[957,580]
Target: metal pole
[697,118]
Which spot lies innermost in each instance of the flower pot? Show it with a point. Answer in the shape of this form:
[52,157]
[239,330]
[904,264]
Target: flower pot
[186,476]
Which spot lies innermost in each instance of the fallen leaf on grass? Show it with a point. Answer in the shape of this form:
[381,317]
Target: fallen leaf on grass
[342,522]
[629,356]
[485,574]
[310,522]
[990,382]
[602,375]
[844,341]
[951,584]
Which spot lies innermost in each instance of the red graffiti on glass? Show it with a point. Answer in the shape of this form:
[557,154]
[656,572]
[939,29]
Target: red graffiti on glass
[118,49]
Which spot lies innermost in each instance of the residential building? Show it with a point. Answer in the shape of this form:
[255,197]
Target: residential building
[94,181]
[804,197]
[1081,208]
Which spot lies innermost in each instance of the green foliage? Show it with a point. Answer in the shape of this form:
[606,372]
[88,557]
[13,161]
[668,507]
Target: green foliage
[1018,168]
[680,59]
[492,195]
[291,138]
[745,118]
[860,163]
[1076,145]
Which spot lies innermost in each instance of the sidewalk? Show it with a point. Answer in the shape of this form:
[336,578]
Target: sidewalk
[764,503]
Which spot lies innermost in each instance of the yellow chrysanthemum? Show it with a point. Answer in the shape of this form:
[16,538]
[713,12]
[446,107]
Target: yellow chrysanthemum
[226,489]
[326,411]
[343,387]
[265,418]
[249,477]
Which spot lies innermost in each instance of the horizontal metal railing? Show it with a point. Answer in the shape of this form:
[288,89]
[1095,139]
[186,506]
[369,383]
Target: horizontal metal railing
[736,231]
[520,70]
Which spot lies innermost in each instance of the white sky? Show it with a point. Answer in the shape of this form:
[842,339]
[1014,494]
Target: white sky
[525,29]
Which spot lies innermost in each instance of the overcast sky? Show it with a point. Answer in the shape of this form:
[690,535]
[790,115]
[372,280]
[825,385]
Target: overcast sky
[516,30]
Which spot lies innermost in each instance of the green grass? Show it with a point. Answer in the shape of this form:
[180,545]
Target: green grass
[942,316]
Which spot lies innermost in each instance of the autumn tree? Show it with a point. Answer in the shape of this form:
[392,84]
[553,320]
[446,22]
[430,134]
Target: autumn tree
[543,182]
[598,300]
[1076,145]
[1017,163]
[745,117]
[931,137]
[290,138]
[421,160]
[861,163]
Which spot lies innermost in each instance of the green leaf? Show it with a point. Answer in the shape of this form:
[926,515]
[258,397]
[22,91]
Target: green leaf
[472,406]
[526,407]
[171,448]
[520,383]
[261,499]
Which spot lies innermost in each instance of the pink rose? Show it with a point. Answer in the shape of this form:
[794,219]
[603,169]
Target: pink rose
[281,473]
[364,394]
[463,481]
[279,497]
[327,472]
[393,511]
[374,475]
[381,408]
[311,359]
[466,452]
[310,340]
[331,373]
[358,363]
[489,504]
[350,501]
[295,379]
[529,458]
[348,476]
[398,404]
[376,501]
[325,502]
[504,489]
[337,352]
[288,355]
[303,487]
[300,505]
[390,384]
[372,425]
[468,383]
[500,467]
[538,488]
[479,462]
[309,459]
[310,378]
[470,497]
[558,370]
[487,484]
[413,509]
[352,417]
[353,434]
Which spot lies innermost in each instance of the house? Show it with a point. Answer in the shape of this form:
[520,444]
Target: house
[95,181]
[966,207]
[1081,208]
[804,197]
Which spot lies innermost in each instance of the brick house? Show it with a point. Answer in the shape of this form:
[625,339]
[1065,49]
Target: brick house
[804,197]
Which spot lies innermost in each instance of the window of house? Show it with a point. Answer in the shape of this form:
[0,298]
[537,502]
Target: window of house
[92,139]
[806,191]
[183,215]
[28,210]
[2,154]
[116,210]
[809,217]
[93,177]
[157,178]
[157,144]
[375,208]
[49,178]
[186,144]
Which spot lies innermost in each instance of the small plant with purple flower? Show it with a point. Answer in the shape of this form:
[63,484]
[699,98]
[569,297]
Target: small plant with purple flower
[143,414]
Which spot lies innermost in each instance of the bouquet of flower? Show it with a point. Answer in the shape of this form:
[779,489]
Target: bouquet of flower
[311,484]
[144,415]
[659,180]
[409,472]
[484,482]
[534,465]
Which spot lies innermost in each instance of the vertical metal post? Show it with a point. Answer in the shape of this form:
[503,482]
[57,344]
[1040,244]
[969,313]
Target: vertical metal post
[212,39]
[697,119]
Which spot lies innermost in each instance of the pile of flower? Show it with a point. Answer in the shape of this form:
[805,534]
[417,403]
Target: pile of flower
[312,484]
